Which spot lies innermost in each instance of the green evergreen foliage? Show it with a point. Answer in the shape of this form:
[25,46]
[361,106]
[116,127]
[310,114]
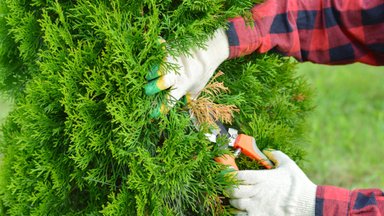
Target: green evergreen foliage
[80,140]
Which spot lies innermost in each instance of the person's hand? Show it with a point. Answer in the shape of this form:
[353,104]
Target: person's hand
[192,73]
[285,190]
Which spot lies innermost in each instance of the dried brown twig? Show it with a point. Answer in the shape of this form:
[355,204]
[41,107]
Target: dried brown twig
[206,111]
[213,87]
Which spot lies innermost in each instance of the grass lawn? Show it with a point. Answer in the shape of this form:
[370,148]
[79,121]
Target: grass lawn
[346,138]
[4,108]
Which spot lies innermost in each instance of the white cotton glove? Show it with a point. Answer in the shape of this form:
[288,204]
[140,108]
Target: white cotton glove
[193,73]
[285,190]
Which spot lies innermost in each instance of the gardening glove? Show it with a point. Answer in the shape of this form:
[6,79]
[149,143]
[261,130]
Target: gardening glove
[285,190]
[192,73]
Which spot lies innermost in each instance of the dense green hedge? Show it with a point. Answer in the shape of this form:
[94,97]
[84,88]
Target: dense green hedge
[79,140]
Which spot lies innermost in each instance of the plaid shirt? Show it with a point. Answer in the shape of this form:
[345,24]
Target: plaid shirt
[337,201]
[321,31]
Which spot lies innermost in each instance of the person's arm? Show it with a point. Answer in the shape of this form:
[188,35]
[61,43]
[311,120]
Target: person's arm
[321,31]
[332,200]
[286,190]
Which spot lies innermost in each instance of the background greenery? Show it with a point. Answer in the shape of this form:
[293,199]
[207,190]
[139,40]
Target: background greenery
[4,107]
[345,140]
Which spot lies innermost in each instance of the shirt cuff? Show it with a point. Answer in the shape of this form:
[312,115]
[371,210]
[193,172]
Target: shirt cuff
[243,37]
[332,200]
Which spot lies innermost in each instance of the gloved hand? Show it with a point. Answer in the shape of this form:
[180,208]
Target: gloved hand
[285,190]
[193,73]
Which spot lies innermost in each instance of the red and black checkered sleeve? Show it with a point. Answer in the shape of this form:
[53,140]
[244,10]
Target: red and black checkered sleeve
[332,200]
[321,31]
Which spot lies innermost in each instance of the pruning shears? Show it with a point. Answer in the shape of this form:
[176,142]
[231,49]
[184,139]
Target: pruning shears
[240,143]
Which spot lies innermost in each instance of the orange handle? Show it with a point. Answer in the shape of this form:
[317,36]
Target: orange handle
[228,160]
[248,146]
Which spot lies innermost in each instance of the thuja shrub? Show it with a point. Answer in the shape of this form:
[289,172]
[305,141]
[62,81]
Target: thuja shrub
[80,140]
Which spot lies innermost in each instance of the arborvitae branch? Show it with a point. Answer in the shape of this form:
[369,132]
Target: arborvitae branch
[80,140]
